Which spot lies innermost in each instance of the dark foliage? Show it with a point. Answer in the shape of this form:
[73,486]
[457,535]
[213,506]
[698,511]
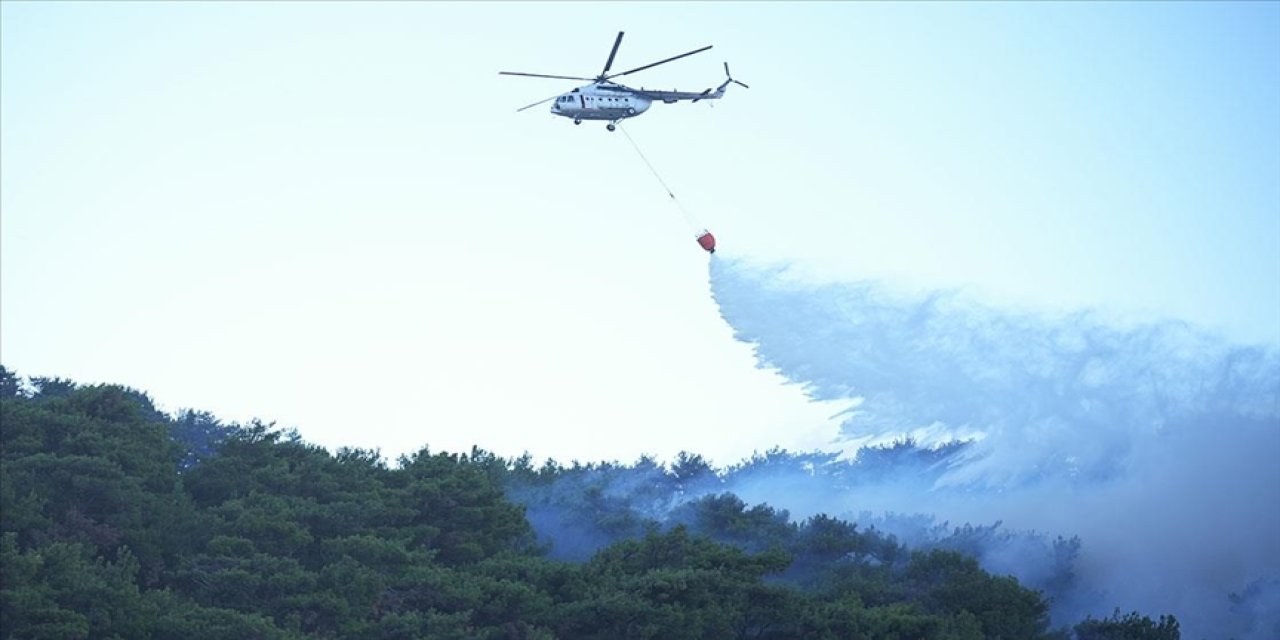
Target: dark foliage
[1129,626]
[120,522]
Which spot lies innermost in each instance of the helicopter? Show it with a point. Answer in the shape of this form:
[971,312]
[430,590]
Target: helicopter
[605,99]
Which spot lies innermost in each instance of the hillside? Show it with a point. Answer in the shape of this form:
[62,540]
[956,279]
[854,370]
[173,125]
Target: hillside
[121,521]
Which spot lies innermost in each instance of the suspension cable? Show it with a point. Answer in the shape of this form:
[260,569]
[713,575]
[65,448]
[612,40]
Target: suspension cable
[687,216]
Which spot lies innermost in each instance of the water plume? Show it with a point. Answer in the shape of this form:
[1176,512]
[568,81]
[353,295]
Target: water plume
[1158,445]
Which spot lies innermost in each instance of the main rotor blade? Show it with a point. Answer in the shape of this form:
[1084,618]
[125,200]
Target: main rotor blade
[647,66]
[538,103]
[613,53]
[542,75]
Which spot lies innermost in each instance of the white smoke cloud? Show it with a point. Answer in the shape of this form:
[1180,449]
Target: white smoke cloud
[1159,445]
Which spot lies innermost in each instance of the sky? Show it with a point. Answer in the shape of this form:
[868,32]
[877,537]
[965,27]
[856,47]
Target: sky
[330,215]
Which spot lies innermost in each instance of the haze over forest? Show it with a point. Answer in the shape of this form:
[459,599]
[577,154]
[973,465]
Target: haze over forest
[1115,476]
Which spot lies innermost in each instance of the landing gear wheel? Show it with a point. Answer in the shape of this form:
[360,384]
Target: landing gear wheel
[577,120]
[611,126]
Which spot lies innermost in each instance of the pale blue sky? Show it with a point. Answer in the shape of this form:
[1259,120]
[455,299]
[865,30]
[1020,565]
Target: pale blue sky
[331,216]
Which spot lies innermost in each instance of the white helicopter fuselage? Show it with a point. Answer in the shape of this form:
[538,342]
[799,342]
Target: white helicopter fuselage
[600,102]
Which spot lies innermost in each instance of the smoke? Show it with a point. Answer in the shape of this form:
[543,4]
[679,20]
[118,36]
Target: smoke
[1157,445]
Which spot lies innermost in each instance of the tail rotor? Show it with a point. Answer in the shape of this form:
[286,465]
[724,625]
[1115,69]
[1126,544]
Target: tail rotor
[730,78]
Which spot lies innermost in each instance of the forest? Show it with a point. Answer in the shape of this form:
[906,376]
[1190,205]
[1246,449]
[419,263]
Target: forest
[121,521]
